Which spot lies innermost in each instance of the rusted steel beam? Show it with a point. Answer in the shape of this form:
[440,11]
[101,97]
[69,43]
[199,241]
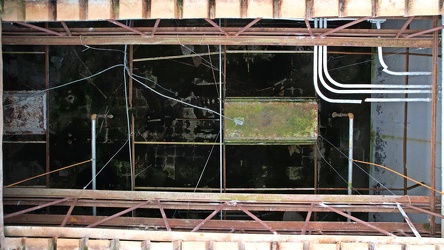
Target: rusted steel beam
[69,213]
[425,31]
[66,28]
[188,205]
[404,27]
[424,211]
[216,40]
[344,26]
[248,26]
[218,209]
[212,197]
[214,225]
[165,219]
[36,207]
[254,217]
[154,236]
[117,214]
[216,26]
[125,27]
[359,221]
[307,23]
[307,219]
[39,28]
[156,25]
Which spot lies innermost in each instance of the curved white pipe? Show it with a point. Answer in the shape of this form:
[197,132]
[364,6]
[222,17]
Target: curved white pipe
[356,86]
[315,83]
[362,91]
[385,67]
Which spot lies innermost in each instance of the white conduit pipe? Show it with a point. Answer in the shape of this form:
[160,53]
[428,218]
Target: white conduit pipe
[442,124]
[374,86]
[315,78]
[363,91]
[385,67]
[318,91]
[397,99]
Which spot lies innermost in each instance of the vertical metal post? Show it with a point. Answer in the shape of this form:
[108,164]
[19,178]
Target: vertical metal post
[350,153]
[2,232]
[93,155]
[47,163]
[433,130]
[221,136]
[406,106]
[442,123]
[130,97]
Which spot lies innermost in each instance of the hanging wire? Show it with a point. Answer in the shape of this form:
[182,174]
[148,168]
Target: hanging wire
[125,62]
[106,164]
[382,185]
[404,176]
[206,163]
[328,163]
[237,121]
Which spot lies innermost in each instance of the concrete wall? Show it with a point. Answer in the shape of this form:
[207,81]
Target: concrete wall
[388,125]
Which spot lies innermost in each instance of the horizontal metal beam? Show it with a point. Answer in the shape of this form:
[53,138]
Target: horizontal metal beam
[218,40]
[212,197]
[248,225]
[159,236]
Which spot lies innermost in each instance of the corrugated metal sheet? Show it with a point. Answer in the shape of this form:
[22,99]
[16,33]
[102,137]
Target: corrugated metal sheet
[24,112]
[74,10]
[271,121]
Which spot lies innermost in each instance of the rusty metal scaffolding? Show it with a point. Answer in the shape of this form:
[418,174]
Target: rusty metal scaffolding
[208,206]
[66,203]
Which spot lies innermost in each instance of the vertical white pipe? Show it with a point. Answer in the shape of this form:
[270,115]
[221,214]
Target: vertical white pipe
[442,124]
[93,155]
[350,153]
[221,136]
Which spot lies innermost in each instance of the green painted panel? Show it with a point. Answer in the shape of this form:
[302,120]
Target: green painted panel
[270,121]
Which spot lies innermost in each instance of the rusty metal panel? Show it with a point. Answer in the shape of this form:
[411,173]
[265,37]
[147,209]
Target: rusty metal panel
[24,112]
[271,121]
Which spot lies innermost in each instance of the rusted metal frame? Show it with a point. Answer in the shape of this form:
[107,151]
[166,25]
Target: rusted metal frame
[434,124]
[65,220]
[212,197]
[248,26]
[66,28]
[216,26]
[220,207]
[254,217]
[162,212]
[2,232]
[425,31]
[357,220]
[36,207]
[214,225]
[424,211]
[210,206]
[156,25]
[404,27]
[117,214]
[307,219]
[125,26]
[39,28]
[407,219]
[307,23]
[344,26]
[47,134]
[216,40]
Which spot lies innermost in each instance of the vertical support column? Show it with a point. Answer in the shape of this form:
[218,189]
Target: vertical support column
[130,94]
[433,130]
[47,114]
[406,106]
[350,152]
[93,155]
[2,232]
[442,123]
